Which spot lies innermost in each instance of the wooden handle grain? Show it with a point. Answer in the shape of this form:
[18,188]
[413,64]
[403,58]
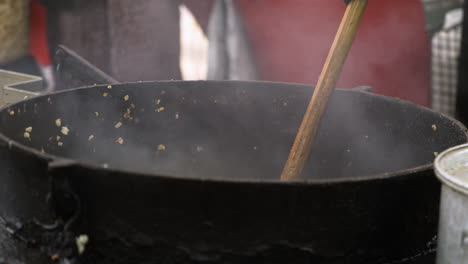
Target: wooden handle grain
[325,86]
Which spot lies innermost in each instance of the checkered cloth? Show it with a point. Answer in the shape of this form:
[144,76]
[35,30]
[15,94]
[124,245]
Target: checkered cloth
[445,53]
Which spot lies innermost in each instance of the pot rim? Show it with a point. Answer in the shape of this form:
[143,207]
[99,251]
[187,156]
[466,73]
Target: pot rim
[88,165]
[444,175]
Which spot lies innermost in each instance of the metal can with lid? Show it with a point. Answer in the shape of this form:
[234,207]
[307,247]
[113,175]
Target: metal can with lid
[451,167]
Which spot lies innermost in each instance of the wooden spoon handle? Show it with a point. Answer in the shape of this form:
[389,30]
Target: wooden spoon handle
[327,81]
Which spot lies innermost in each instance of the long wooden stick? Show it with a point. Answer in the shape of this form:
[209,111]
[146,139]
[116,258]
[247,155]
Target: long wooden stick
[325,86]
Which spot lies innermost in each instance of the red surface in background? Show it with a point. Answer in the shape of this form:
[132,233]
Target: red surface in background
[39,46]
[391,53]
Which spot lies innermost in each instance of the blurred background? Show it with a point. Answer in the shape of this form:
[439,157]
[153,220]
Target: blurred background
[410,49]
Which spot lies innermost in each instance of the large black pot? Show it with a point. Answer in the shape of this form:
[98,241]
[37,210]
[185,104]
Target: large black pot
[368,194]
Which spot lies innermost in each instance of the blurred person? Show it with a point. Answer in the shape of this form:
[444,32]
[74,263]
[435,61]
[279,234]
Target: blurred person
[290,40]
[129,40]
[139,40]
[391,53]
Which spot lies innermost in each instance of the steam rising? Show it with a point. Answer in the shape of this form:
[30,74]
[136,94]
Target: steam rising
[230,130]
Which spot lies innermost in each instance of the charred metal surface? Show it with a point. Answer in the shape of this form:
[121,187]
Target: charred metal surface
[211,194]
[232,223]
[24,186]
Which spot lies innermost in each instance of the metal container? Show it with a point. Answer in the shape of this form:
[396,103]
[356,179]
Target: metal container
[451,168]
[15,86]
